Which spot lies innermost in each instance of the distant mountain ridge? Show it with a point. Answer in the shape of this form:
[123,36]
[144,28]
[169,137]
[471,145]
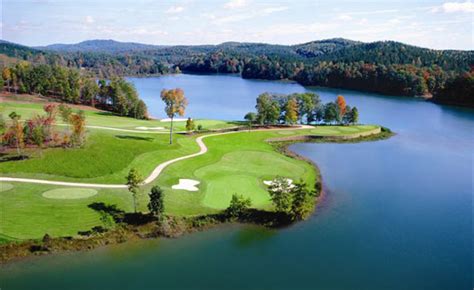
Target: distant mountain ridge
[309,49]
[99,45]
[386,67]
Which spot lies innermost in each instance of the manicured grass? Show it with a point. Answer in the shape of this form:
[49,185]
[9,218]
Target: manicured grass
[5,186]
[106,158]
[25,213]
[106,119]
[69,193]
[340,130]
[235,163]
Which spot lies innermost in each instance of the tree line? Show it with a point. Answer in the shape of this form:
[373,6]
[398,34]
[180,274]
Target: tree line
[301,108]
[72,86]
[385,67]
[402,79]
[396,79]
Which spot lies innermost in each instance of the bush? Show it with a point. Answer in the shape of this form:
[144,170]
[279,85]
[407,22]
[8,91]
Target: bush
[238,206]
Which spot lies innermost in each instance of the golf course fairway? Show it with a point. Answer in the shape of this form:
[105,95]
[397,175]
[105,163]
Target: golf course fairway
[233,163]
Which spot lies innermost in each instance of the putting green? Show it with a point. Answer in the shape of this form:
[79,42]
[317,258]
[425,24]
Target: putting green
[69,193]
[286,132]
[219,193]
[5,186]
[242,172]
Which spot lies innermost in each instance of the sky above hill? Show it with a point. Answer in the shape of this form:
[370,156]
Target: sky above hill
[433,24]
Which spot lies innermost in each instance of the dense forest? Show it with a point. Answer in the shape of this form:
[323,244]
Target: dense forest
[385,67]
[73,86]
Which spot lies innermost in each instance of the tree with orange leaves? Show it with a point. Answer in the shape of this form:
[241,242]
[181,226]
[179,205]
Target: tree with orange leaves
[175,104]
[341,107]
[16,132]
[78,121]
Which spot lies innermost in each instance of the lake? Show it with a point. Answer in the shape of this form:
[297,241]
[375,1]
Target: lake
[397,213]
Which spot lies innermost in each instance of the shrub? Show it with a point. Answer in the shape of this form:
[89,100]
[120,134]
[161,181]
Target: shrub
[238,205]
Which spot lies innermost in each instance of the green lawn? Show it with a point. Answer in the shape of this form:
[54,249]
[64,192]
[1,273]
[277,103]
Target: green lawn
[25,213]
[106,119]
[106,158]
[235,163]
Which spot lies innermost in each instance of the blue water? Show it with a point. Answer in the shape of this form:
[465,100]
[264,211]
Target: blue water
[397,213]
[225,97]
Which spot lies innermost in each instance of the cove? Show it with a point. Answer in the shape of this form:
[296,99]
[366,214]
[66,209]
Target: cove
[397,213]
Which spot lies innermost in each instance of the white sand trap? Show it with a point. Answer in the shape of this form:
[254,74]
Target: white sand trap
[270,182]
[150,128]
[70,193]
[186,184]
[5,186]
[174,120]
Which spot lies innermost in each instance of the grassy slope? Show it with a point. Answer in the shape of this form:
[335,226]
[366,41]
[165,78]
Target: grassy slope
[106,119]
[106,158]
[235,163]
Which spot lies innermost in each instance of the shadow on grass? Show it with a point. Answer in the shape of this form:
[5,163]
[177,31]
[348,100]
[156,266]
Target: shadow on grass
[7,158]
[137,138]
[121,216]
[105,113]
[108,208]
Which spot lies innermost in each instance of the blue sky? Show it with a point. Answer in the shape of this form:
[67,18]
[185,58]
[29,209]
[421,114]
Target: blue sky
[433,24]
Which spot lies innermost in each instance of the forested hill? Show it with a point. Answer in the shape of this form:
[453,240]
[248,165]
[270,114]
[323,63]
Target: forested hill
[99,45]
[305,50]
[385,67]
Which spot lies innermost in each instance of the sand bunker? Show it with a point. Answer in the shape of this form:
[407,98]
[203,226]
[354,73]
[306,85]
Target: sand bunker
[5,186]
[186,184]
[150,128]
[70,193]
[174,120]
[270,182]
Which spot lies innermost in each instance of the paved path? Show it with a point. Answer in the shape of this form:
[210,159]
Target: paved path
[154,174]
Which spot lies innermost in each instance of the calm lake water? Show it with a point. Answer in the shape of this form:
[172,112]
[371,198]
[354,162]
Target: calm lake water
[397,214]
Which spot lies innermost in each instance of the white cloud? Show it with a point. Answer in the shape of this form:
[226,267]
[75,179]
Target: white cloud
[271,10]
[363,21]
[344,17]
[291,29]
[145,31]
[248,14]
[174,10]
[233,4]
[370,12]
[89,19]
[452,7]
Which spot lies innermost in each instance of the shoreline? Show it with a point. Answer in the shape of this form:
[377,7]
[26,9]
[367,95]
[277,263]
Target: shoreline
[138,226]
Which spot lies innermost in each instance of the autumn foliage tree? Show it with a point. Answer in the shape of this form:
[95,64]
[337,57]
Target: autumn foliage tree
[175,104]
[341,107]
[7,77]
[15,133]
[51,111]
[78,122]
[291,116]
